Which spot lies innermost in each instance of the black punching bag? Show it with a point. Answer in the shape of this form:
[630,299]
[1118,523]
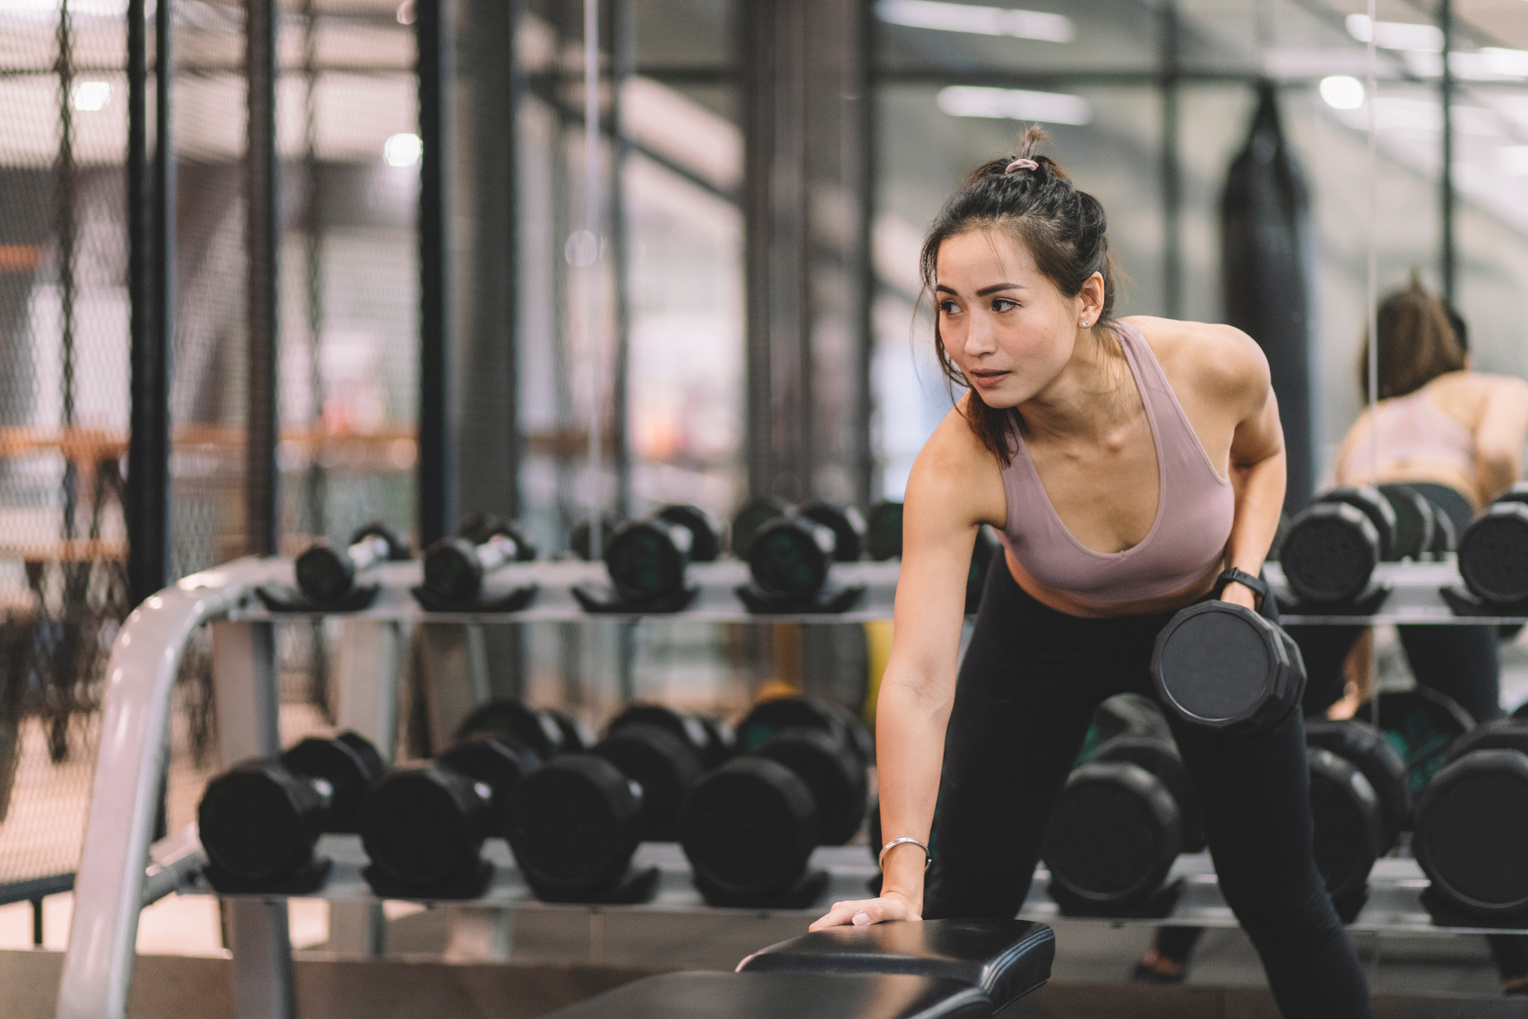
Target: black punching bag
[1266,276]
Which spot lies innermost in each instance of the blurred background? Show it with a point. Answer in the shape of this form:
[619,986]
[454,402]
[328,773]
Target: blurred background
[349,244]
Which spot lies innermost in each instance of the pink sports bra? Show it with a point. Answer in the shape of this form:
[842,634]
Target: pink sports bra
[1194,509]
[1411,427]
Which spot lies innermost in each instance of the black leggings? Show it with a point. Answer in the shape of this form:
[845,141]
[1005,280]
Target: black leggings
[1031,680]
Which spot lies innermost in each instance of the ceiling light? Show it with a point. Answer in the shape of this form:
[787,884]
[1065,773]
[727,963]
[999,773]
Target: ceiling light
[977,20]
[1508,62]
[402,149]
[406,13]
[1342,92]
[1513,160]
[90,96]
[1397,35]
[1014,104]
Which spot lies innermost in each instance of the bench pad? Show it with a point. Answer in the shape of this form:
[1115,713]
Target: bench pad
[1005,958]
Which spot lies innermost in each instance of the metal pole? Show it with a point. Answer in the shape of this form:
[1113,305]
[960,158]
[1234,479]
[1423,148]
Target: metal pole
[437,443]
[1172,183]
[263,238]
[591,270]
[1446,176]
[315,485]
[65,230]
[151,287]
[757,49]
[860,172]
[623,62]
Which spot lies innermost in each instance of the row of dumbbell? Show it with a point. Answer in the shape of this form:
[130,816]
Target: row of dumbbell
[1333,545]
[748,809]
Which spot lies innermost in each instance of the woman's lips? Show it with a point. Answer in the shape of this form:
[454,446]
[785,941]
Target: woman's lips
[987,379]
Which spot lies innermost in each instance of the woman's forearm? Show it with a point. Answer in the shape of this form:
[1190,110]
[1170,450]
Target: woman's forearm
[910,727]
[1259,491]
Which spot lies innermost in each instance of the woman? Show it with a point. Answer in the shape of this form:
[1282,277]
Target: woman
[1128,464]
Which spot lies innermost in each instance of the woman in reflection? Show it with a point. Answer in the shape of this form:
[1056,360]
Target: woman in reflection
[1134,467]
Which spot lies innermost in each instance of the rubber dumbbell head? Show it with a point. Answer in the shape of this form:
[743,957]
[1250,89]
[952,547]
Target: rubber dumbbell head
[1415,521]
[790,556]
[1493,554]
[260,820]
[326,574]
[662,764]
[647,558]
[1371,503]
[710,740]
[883,530]
[846,523]
[770,718]
[455,568]
[749,827]
[1160,757]
[1132,713]
[1497,734]
[1517,493]
[834,774]
[1223,666]
[575,823]
[1421,724]
[1350,829]
[425,824]
[1113,835]
[1329,553]
[1367,749]
[1471,827]
[546,731]
[754,514]
[580,540]
[707,534]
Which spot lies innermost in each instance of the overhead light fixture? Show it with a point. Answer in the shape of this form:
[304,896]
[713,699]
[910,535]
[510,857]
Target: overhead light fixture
[977,20]
[1014,104]
[1504,61]
[406,12]
[1397,35]
[403,149]
[1342,92]
[90,96]
[1513,160]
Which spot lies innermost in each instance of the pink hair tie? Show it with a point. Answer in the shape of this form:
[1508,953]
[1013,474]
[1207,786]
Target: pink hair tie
[1021,164]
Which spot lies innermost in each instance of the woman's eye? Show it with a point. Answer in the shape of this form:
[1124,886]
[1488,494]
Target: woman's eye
[948,307]
[1004,304]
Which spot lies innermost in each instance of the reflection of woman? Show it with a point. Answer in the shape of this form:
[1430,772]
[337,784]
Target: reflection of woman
[1128,464]
[1456,436]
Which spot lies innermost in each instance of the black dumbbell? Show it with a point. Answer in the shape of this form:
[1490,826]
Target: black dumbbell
[456,568]
[790,556]
[580,541]
[1120,822]
[1472,824]
[1123,714]
[754,514]
[326,574]
[423,825]
[1370,751]
[1223,666]
[1416,522]
[768,719]
[1359,802]
[1421,724]
[547,731]
[1493,553]
[1333,545]
[883,530]
[710,738]
[646,558]
[260,820]
[575,823]
[749,827]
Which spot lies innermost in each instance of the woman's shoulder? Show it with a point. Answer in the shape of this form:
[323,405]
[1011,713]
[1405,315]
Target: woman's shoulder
[1205,355]
[955,467]
[1465,393]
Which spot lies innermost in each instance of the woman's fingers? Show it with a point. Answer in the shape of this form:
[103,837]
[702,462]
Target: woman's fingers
[860,912]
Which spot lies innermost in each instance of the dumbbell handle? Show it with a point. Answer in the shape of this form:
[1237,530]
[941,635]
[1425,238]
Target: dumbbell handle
[496,551]
[369,551]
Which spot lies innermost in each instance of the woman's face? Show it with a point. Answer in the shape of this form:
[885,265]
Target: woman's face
[1006,326]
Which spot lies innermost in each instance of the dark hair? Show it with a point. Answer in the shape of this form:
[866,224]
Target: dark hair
[1064,229]
[1417,342]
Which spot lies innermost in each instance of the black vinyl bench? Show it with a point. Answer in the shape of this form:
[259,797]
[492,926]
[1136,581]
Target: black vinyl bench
[935,969]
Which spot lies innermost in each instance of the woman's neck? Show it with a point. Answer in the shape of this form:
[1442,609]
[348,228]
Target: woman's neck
[1088,398]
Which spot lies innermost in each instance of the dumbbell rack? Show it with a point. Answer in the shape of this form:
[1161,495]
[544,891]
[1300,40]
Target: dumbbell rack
[120,871]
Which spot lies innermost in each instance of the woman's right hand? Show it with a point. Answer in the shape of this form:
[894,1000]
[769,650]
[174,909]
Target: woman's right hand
[860,912]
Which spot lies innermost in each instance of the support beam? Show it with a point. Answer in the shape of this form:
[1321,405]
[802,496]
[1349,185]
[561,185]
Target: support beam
[1171,172]
[151,292]
[1447,257]
[437,433]
[263,243]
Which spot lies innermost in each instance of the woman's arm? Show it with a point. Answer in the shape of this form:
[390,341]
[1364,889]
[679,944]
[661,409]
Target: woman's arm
[1500,436]
[1239,371]
[954,486]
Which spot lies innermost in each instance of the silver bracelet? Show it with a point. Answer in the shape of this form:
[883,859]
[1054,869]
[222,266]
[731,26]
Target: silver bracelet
[928,858]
